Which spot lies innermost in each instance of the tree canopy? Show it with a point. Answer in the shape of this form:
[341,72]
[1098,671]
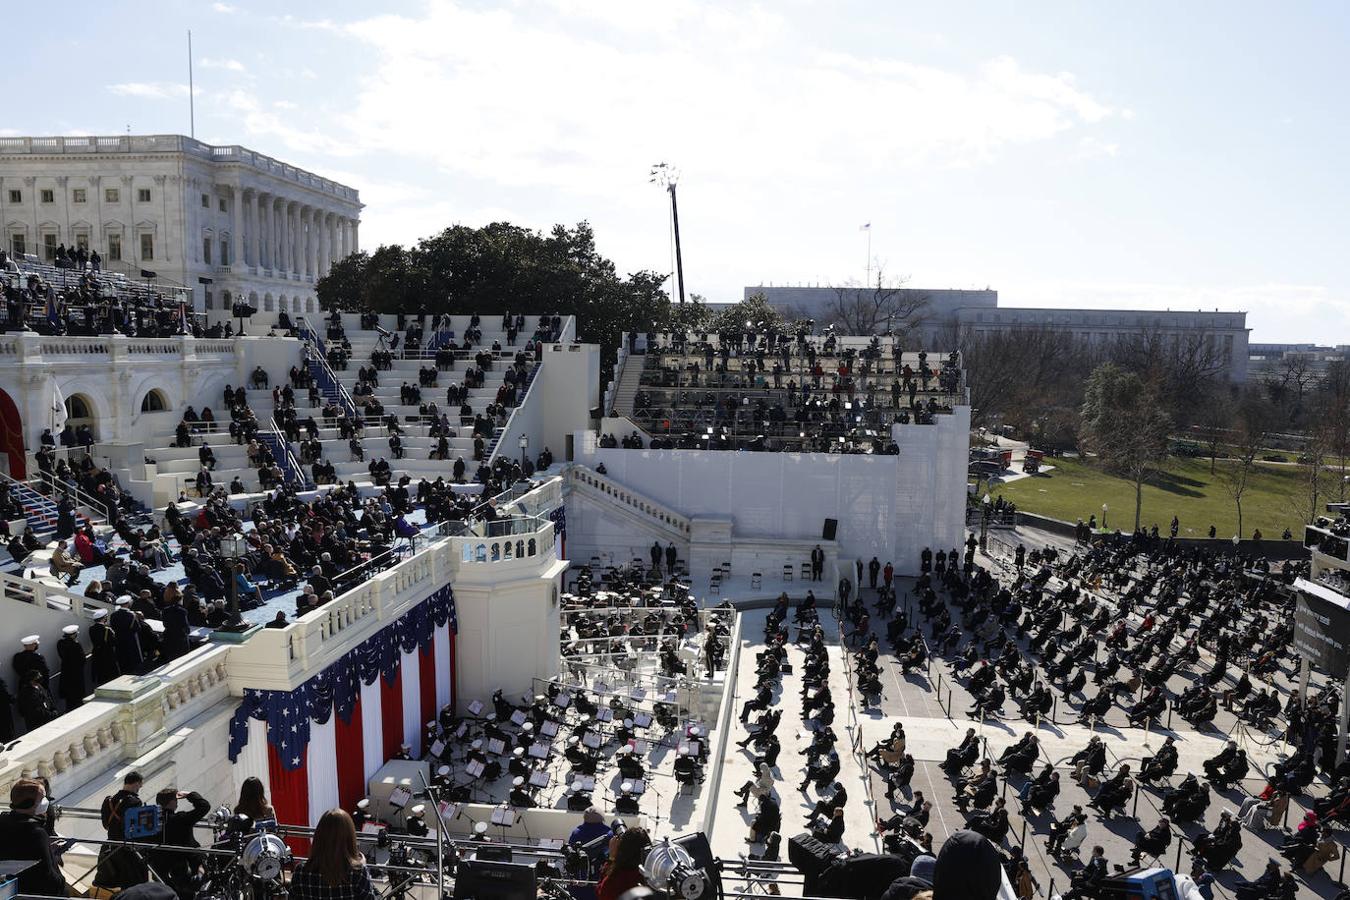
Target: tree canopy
[502,268]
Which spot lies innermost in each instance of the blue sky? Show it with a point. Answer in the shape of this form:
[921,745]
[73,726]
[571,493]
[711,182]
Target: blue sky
[1067,154]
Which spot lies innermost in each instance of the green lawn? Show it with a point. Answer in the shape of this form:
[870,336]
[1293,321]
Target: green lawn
[1076,489]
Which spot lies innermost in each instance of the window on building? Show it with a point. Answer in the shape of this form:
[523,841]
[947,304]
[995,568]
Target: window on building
[147,247]
[79,195]
[16,196]
[115,247]
[82,241]
[206,201]
[47,195]
[206,250]
[112,195]
[224,252]
[49,247]
[142,195]
[222,204]
[154,402]
[1227,345]
[18,245]
[210,301]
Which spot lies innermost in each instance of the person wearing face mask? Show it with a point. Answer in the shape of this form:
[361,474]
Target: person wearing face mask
[23,835]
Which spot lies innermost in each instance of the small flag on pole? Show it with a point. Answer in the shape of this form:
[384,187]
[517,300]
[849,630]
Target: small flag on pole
[58,409]
[865,227]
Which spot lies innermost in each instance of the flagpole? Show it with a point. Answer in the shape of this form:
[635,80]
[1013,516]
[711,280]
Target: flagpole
[867,277]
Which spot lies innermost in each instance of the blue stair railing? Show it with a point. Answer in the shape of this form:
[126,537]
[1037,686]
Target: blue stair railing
[280,448]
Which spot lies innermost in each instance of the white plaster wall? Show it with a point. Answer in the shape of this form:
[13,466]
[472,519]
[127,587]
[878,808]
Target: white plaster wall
[888,506]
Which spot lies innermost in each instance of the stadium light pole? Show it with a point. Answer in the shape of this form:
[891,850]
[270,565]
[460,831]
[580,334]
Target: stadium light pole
[667,176]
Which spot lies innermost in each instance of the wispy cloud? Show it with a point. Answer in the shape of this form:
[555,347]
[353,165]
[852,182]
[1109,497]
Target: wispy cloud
[231,65]
[149,90]
[224,8]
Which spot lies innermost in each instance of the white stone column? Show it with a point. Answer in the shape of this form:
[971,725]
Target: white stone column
[288,236]
[344,242]
[333,248]
[311,242]
[237,231]
[254,219]
[356,235]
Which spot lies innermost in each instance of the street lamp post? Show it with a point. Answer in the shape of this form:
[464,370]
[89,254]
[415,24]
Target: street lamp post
[524,443]
[985,510]
[1103,517]
[233,547]
[667,176]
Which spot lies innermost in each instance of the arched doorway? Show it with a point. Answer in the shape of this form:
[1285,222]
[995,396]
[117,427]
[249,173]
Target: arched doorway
[80,411]
[11,437]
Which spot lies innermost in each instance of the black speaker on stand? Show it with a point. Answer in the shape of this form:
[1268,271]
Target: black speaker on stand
[831,526]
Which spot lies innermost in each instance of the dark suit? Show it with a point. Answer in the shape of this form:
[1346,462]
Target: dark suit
[74,686]
[24,837]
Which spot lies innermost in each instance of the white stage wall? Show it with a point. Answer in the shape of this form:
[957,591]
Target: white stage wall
[888,506]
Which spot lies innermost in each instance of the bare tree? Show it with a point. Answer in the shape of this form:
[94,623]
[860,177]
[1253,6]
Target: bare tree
[873,309]
[1333,414]
[1251,425]
[1181,368]
[1215,420]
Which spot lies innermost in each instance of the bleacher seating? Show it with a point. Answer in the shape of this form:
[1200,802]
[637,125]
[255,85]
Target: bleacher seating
[756,391]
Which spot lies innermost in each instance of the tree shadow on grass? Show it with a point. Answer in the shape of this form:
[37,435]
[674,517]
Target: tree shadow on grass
[1173,483]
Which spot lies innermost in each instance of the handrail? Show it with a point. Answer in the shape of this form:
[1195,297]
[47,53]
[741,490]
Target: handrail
[530,378]
[93,504]
[629,497]
[41,594]
[316,357]
[284,456]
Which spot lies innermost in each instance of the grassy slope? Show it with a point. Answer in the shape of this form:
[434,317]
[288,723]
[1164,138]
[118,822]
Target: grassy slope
[1076,489]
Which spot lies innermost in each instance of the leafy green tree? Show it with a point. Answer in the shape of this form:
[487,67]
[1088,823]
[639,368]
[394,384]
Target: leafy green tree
[501,268]
[1123,422]
[754,309]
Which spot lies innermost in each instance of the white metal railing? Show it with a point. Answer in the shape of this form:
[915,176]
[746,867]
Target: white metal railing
[47,597]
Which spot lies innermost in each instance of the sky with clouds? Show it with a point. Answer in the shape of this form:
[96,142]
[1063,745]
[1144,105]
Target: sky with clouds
[1149,155]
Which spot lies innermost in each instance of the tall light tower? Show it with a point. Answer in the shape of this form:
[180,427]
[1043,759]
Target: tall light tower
[667,176]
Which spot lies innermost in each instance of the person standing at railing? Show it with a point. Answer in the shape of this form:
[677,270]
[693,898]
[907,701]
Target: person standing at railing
[74,686]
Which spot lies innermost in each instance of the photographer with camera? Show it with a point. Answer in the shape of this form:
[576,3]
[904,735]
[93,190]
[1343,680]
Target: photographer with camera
[120,867]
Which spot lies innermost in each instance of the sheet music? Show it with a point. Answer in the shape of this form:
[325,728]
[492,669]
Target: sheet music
[549,729]
[437,749]
[539,751]
[642,720]
[591,740]
[399,797]
[562,701]
[539,779]
[587,783]
[475,708]
[639,746]
[460,731]
[604,714]
[496,745]
[517,718]
[474,768]
[638,693]
[504,817]
[449,811]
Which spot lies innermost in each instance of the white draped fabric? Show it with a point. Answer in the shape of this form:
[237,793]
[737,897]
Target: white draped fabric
[322,768]
[372,728]
[441,648]
[411,683]
[252,760]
